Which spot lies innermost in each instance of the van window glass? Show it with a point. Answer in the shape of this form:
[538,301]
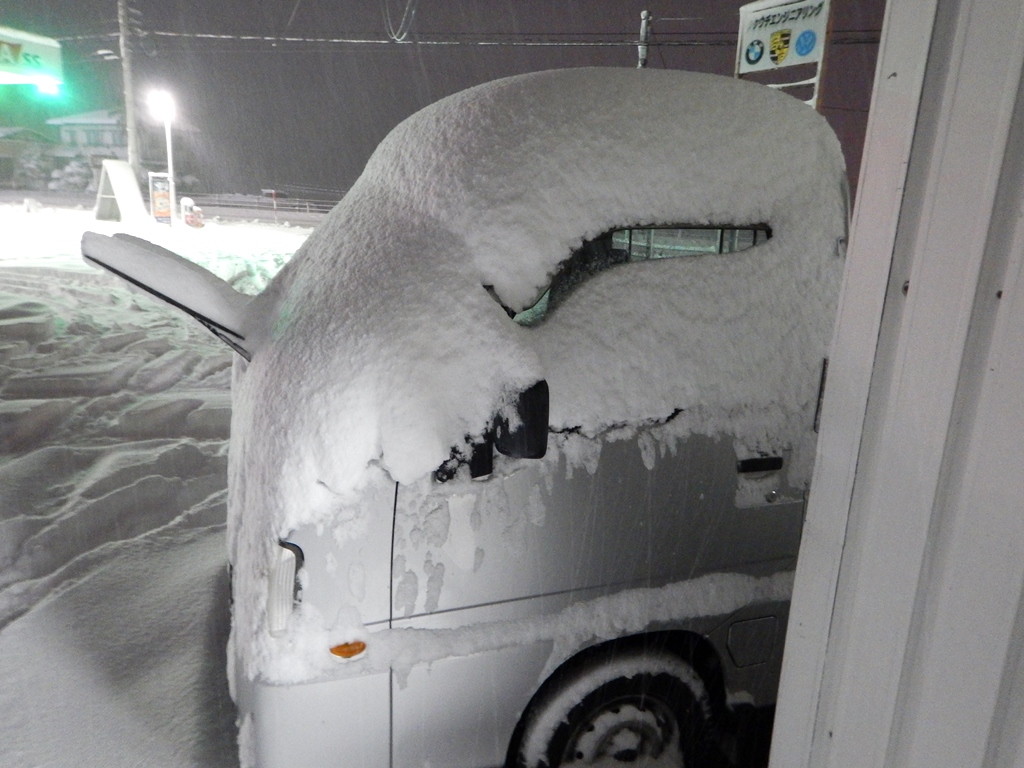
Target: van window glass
[624,246]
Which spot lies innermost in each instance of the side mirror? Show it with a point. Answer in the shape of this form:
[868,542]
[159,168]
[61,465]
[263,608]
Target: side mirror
[529,440]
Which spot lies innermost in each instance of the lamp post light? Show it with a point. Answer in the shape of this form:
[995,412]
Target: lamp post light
[161,104]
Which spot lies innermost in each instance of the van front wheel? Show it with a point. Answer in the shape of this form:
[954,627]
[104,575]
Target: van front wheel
[646,709]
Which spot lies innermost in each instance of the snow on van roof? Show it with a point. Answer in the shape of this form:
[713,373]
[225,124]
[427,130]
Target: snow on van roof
[379,344]
[378,347]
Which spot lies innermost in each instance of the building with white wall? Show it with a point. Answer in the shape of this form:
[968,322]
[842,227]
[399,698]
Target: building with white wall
[98,133]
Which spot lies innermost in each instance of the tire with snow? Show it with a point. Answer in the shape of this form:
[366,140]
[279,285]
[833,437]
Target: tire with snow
[639,708]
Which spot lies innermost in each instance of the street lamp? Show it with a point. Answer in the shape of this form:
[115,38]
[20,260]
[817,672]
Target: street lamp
[161,104]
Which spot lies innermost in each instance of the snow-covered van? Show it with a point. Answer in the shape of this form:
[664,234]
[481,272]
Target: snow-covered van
[522,434]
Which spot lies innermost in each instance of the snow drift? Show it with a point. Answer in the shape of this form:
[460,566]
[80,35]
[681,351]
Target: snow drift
[114,416]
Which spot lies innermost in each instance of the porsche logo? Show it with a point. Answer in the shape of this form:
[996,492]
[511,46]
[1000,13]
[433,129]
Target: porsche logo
[778,45]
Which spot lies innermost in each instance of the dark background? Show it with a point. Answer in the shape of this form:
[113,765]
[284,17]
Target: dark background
[304,116]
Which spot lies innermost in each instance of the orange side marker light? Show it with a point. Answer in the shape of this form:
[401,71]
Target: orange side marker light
[349,650]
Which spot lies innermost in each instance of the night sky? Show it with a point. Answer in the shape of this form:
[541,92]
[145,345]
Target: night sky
[304,116]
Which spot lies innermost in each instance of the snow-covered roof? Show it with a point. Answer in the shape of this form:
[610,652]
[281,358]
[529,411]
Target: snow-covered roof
[14,133]
[96,117]
[380,331]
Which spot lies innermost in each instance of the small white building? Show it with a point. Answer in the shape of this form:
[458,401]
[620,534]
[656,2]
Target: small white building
[100,134]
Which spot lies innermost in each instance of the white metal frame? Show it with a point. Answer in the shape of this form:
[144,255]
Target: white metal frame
[907,626]
[819,65]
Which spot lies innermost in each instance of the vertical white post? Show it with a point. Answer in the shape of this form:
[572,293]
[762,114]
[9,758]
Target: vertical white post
[170,162]
[645,38]
[162,105]
[907,622]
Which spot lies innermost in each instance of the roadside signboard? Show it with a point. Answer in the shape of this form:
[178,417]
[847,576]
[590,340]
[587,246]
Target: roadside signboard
[783,33]
[160,197]
[29,59]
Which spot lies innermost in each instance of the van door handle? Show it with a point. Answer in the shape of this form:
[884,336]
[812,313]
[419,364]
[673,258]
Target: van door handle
[759,464]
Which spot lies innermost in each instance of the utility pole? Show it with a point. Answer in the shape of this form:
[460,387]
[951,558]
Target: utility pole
[123,26]
[645,38]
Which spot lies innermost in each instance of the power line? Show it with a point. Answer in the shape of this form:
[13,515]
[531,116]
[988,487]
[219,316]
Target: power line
[692,39]
[292,17]
[408,15]
[377,41]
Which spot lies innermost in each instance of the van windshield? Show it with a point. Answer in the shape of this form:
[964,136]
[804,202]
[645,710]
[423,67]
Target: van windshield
[625,246]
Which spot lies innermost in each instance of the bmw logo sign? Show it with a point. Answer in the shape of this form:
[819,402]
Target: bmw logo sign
[754,52]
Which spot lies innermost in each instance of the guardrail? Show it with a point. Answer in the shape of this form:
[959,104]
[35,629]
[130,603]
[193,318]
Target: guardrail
[227,205]
[249,203]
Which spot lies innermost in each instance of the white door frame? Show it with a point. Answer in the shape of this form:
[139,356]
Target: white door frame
[906,625]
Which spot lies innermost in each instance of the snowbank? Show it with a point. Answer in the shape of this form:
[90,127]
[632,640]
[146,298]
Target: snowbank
[114,419]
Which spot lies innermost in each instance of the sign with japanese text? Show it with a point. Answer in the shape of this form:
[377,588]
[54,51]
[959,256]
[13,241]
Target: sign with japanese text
[781,33]
[28,59]
[160,197]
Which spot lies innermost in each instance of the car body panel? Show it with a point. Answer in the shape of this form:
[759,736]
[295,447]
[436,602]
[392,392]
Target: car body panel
[312,725]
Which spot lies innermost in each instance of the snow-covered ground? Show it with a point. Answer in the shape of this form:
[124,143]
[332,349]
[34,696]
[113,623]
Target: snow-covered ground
[114,418]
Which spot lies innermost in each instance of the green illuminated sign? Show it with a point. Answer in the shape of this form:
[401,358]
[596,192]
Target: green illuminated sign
[28,59]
